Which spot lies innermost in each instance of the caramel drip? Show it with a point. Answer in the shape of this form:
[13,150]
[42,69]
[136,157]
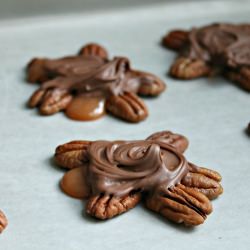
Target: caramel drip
[74,183]
[86,108]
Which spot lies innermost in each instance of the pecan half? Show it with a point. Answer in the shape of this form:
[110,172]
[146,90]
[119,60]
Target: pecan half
[182,205]
[94,49]
[203,180]
[128,107]
[50,101]
[175,39]
[240,76]
[107,206]
[3,221]
[186,68]
[179,142]
[150,85]
[72,154]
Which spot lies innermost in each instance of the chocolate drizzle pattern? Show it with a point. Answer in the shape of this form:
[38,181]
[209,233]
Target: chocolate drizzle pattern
[120,167]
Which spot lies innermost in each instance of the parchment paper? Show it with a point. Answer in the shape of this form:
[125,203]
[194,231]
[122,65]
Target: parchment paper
[212,113]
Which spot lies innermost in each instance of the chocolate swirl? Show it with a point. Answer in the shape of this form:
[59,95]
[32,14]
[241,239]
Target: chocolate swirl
[120,167]
[221,43]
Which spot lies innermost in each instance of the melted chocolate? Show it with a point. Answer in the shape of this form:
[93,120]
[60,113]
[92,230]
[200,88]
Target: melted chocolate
[121,167]
[225,44]
[73,65]
[89,75]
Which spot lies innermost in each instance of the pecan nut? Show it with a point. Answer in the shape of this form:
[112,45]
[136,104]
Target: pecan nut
[182,205]
[175,39]
[107,206]
[128,107]
[3,221]
[186,68]
[50,101]
[94,49]
[150,85]
[72,155]
[203,180]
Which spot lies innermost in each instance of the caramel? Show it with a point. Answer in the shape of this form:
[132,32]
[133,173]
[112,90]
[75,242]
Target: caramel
[73,183]
[86,108]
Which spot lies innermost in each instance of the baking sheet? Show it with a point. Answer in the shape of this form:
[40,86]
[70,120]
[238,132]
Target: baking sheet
[211,112]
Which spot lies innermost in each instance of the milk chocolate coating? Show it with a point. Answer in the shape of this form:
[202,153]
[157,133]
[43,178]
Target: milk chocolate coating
[91,75]
[73,65]
[226,44]
[179,142]
[120,167]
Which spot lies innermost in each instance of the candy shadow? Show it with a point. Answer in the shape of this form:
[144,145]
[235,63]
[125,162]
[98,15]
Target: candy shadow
[176,226]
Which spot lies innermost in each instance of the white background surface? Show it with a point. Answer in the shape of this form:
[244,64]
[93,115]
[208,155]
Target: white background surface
[212,113]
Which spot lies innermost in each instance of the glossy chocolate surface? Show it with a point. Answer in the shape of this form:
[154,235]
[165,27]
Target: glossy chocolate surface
[120,167]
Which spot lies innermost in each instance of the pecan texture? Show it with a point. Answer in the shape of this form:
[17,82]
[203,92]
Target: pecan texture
[127,106]
[185,68]
[107,206]
[181,204]
[72,155]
